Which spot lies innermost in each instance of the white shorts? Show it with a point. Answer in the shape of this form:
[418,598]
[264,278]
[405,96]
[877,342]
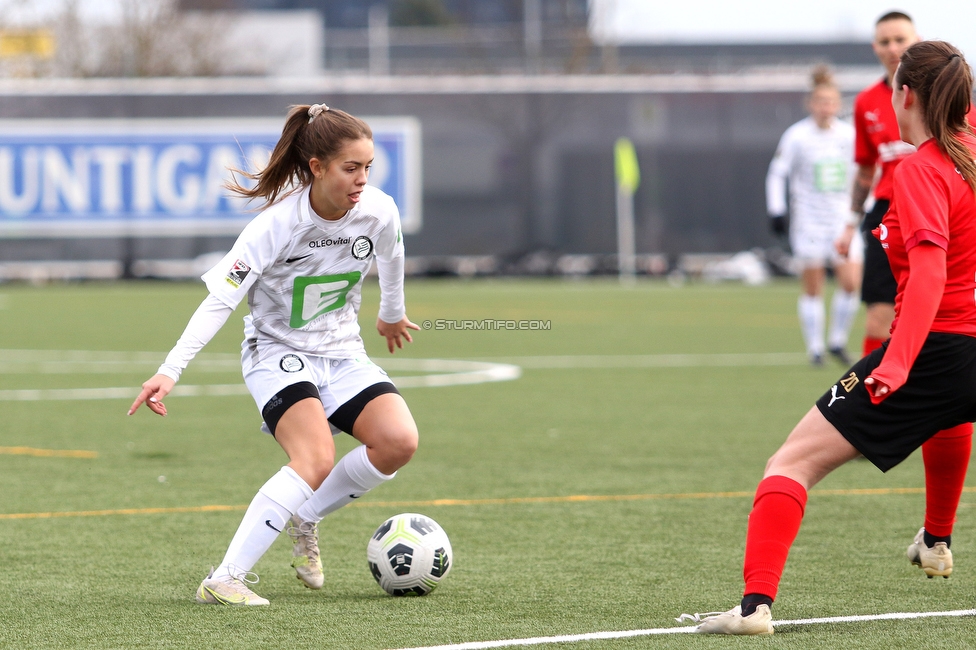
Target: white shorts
[814,247]
[274,366]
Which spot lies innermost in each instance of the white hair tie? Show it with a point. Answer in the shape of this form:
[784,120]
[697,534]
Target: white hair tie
[314,110]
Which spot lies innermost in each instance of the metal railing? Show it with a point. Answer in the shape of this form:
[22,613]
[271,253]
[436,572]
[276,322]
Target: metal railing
[504,49]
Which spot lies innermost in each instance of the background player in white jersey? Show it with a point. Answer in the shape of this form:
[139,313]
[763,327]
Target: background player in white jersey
[301,263]
[813,158]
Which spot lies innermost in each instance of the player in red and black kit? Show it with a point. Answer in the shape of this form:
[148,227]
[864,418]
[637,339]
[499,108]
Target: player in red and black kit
[878,143]
[923,379]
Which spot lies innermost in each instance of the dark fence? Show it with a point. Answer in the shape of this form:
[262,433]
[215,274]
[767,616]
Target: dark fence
[512,166]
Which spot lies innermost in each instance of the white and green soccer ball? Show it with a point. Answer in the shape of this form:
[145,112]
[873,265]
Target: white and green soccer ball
[409,555]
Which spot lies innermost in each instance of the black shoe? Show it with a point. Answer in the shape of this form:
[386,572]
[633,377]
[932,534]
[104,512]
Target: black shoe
[816,360]
[841,355]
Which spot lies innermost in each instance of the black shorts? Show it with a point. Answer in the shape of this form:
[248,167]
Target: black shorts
[940,393]
[877,284]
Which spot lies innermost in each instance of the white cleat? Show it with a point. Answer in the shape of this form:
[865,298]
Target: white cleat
[308,566]
[229,590]
[732,621]
[934,561]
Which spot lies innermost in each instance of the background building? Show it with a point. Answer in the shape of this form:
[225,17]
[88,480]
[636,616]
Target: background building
[516,135]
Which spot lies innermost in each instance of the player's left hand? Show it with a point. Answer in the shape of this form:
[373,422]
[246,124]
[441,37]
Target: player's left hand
[393,332]
[877,390]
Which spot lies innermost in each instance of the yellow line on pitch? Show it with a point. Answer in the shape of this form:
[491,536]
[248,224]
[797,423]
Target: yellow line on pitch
[61,453]
[575,498]
[124,511]
[870,491]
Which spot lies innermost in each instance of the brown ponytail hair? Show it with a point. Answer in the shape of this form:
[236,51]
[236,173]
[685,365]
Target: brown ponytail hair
[309,132]
[943,82]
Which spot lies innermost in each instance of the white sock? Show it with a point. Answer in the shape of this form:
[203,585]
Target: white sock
[811,312]
[266,517]
[843,309]
[352,477]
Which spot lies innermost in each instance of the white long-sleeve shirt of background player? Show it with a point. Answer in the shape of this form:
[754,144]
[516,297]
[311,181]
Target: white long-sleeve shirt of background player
[303,275]
[818,165]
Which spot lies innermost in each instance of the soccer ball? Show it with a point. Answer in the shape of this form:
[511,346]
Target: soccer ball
[409,555]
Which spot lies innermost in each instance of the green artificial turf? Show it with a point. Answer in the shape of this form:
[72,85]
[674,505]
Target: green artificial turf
[662,460]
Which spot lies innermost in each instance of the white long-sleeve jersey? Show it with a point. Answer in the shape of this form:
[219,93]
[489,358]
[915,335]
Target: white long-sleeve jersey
[818,165]
[302,276]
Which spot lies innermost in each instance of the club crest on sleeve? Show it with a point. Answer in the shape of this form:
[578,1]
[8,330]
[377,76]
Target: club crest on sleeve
[237,273]
[362,247]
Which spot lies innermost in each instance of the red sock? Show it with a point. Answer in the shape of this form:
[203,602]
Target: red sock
[773,524]
[946,457]
[870,345]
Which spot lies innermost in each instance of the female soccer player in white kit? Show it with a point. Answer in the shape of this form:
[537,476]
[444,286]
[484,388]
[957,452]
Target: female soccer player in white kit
[814,157]
[301,263]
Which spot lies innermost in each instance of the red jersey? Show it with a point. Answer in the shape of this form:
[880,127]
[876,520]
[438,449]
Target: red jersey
[933,203]
[876,135]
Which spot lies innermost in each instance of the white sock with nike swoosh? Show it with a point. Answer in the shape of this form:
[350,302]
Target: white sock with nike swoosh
[266,517]
[352,477]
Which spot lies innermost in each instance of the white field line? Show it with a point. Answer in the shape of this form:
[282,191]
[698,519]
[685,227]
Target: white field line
[624,634]
[66,362]
[91,362]
[442,372]
[656,360]
[119,392]
[446,372]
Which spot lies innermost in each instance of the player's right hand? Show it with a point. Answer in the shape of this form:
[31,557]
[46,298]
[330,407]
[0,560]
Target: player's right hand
[877,390]
[153,392]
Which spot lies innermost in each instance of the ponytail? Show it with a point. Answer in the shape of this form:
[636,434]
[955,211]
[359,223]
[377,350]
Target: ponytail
[943,81]
[310,131]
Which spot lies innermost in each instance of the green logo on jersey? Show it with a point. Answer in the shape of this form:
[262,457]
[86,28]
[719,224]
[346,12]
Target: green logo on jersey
[830,176]
[312,297]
